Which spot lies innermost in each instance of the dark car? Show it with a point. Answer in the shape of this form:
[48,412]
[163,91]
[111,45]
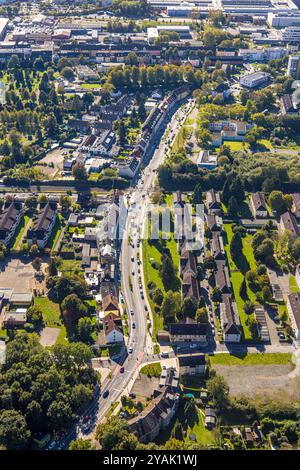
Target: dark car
[132,395]
[122,370]
[105,394]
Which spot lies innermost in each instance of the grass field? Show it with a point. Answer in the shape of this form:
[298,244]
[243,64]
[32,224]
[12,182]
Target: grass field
[293,284]
[246,261]
[20,231]
[203,435]
[51,311]
[152,253]
[250,359]
[153,370]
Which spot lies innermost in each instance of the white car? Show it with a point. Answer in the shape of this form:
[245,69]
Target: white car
[130,350]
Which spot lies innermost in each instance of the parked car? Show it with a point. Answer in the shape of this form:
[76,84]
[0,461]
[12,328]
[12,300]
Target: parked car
[130,350]
[132,395]
[122,370]
[105,394]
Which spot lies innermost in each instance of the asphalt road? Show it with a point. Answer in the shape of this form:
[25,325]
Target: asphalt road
[120,383]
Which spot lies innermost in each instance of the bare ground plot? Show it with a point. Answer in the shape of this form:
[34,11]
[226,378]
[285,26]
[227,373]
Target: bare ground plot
[263,380]
[144,386]
[48,336]
[52,163]
[18,274]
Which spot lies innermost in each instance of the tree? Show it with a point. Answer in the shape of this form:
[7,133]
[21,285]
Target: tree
[248,307]
[253,327]
[85,329]
[236,245]
[122,133]
[114,435]
[60,414]
[216,295]
[68,73]
[34,314]
[73,308]
[65,202]
[197,194]
[219,390]
[279,202]
[167,271]
[82,444]
[37,263]
[189,307]
[14,433]
[233,207]
[79,172]
[52,267]
[202,315]
[170,306]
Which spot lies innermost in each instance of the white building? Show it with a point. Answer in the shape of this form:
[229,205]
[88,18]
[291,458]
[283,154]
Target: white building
[262,55]
[293,68]
[291,34]
[282,20]
[293,306]
[253,80]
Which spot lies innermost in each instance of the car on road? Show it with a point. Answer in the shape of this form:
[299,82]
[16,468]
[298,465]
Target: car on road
[164,354]
[132,273]
[105,394]
[132,395]
[281,335]
[130,350]
[131,311]
[132,258]
[133,325]
[122,370]
[146,308]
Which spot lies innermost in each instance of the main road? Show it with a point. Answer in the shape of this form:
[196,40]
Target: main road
[131,271]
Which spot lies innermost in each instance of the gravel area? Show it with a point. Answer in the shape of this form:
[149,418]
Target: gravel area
[252,380]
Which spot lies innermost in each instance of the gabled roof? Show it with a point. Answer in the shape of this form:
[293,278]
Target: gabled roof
[188,329]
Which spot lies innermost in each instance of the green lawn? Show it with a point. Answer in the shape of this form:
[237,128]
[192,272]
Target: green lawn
[51,311]
[236,146]
[153,370]
[203,435]
[250,359]
[293,284]
[92,86]
[56,231]
[152,253]
[246,261]
[20,231]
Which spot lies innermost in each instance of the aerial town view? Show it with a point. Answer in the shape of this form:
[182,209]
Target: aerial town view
[149,226]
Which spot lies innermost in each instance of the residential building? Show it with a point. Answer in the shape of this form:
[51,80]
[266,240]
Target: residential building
[255,79]
[205,160]
[9,220]
[214,222]
[258,206]
[188,333]
[284,19]
[262,54]
[222,278]
[213,202]
[291,34]
[296,205]
[288,222]
[217,248]
[43,225]
[15,318]
[293,68]
[287,105]
[230,320]
[293,306]
[113,329]
[157,416]
[297,275]
[194,364]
